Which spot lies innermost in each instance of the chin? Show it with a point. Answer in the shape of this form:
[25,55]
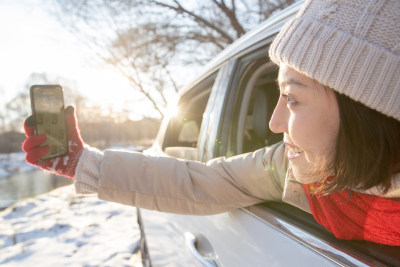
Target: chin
[304,170]
[305,178]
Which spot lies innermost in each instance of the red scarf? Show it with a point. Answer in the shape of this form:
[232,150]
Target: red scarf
[361,217]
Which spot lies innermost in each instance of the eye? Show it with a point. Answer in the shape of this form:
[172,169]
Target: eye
[289,99]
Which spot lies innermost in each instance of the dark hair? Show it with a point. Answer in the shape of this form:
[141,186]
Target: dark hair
[367,149]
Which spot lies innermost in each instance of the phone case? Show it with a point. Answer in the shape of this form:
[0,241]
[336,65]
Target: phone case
[48,108]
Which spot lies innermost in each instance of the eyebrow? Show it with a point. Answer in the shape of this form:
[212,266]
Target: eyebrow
[289,82]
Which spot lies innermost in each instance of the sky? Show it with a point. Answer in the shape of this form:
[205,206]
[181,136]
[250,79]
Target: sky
[33,41]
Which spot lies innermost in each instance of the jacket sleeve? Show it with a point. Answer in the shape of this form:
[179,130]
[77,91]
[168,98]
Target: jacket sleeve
[190,187]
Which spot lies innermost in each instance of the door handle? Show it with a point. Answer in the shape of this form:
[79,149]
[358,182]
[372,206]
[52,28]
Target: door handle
[191,240]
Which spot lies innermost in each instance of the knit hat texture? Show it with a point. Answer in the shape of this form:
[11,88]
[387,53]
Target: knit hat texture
[352,46]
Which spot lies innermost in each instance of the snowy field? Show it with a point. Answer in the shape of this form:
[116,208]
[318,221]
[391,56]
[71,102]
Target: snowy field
[61,228]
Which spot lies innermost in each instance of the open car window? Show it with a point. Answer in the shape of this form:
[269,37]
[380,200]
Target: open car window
[252,100]
[258,102]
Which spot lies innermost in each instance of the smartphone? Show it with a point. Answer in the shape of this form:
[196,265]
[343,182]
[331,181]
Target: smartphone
[47,103]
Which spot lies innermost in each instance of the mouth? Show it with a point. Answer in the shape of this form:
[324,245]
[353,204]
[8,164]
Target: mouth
[293,151]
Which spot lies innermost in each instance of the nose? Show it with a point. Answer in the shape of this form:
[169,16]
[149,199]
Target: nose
[279,119]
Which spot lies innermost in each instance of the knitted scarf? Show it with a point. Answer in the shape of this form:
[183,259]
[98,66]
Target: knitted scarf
[357,217]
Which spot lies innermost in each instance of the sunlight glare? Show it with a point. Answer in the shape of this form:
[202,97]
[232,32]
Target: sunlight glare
[172,110]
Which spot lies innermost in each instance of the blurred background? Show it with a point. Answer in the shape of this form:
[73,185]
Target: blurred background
[121,63]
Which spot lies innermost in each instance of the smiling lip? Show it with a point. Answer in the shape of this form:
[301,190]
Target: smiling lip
[293,151]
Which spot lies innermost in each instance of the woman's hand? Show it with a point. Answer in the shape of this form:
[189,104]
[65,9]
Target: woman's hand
[63,165]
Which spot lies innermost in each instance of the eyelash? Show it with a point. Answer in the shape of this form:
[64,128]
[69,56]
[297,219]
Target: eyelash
[289,99]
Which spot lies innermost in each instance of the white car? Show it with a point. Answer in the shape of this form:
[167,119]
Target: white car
[225,112]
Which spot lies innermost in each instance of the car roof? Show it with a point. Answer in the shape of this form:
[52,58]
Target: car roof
[268,28]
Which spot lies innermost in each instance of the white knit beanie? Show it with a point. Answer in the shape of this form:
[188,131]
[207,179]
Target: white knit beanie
[352,46]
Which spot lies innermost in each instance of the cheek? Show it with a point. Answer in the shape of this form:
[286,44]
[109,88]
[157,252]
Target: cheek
[314,132]
[301,132]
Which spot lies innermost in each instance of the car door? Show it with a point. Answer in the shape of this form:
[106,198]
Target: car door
[225,114]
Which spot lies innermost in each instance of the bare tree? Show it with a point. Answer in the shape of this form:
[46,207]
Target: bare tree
[146,40]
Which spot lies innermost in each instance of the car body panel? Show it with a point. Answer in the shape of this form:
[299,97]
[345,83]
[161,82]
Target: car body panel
[237,239]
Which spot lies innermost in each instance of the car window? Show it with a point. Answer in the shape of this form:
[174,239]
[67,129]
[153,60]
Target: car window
[259,99]
[252,104]
[182,134]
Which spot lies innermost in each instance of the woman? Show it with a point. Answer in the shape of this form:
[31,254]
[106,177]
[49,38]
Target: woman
[339,111]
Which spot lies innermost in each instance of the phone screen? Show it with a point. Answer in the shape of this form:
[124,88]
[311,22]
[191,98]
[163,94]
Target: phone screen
[48,108]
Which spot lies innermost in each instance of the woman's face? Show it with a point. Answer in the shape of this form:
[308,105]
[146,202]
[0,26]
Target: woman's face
[308,115]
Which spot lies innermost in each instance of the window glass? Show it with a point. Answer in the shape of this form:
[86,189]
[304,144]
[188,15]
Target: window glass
[183,129]
[189,132]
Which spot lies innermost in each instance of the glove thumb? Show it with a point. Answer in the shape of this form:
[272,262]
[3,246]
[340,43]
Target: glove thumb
[29,126]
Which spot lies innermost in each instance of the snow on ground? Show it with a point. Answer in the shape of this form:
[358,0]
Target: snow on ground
[61,228]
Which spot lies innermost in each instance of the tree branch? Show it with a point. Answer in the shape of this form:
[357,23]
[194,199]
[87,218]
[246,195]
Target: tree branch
[181,10]
[231,14]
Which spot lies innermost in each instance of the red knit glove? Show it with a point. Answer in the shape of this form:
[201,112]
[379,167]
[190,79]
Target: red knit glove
[64,165]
